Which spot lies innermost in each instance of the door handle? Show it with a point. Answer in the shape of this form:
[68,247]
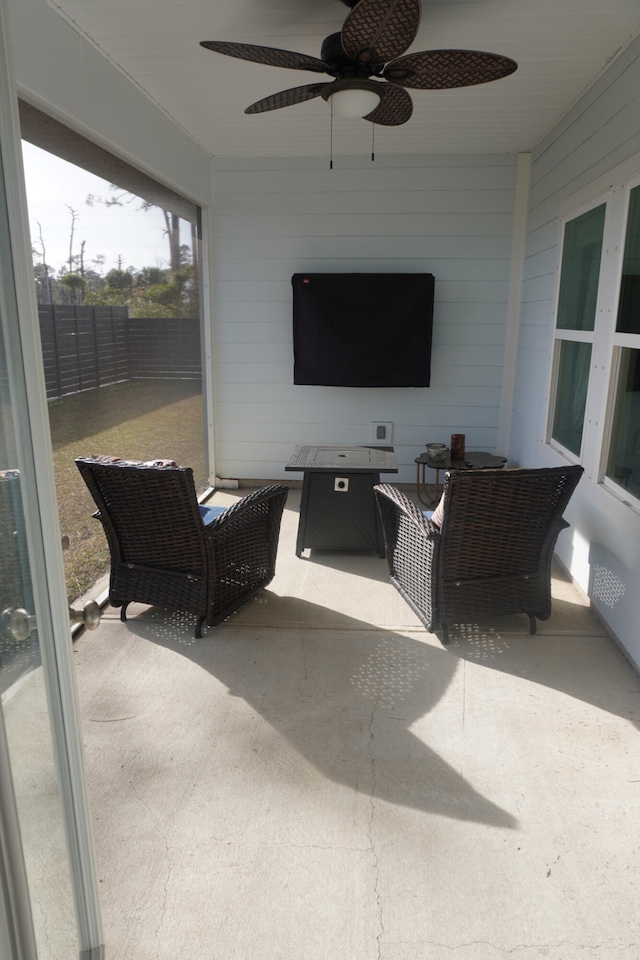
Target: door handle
[89,615]
[19,623]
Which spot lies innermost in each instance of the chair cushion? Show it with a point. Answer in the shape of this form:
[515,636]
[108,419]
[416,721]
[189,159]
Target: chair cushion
[436,516]
[209,514]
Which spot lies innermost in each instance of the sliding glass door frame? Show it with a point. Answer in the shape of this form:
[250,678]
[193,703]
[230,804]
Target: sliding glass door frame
[29,405]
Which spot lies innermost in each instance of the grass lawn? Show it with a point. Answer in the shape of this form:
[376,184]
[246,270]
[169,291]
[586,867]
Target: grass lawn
[138,420]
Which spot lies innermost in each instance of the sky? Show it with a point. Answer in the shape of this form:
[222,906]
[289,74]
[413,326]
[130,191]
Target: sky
[53,185]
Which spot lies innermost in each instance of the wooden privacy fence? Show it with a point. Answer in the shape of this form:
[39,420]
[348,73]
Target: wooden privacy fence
[88,347]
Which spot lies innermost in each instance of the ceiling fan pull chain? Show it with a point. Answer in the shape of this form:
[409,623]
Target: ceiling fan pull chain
[373,141]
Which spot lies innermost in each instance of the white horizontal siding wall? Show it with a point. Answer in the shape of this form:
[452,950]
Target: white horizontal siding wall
[578,159]
[450,216]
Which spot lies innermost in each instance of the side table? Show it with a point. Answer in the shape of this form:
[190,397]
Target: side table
[474,460]
[337,508]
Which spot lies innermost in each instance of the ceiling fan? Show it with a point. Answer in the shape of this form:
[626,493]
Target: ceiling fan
[370,45]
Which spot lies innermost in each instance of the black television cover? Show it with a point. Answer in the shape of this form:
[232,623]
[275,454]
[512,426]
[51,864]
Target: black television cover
[362,329]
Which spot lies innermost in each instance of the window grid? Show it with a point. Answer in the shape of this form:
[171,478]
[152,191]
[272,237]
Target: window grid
[621,448]
[594,399]
[576,313]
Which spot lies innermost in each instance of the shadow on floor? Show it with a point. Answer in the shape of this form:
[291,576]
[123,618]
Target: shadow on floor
[584,665]
[344,696]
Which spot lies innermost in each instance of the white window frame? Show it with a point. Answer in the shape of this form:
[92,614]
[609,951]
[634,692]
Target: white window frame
[617,343]
[607,344]
[561,335]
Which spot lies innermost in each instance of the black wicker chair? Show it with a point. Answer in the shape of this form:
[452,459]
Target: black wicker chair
[167,551]
[492,555]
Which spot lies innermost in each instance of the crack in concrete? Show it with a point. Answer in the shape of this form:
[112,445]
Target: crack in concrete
[162,908]
[510,951]
[165,888]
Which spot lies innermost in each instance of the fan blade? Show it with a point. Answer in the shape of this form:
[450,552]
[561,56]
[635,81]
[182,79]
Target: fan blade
[394,108]
[442,69]
[287,98]
[271,56]
[380,30]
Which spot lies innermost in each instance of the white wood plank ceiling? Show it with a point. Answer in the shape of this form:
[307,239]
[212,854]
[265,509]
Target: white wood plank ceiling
[561,46]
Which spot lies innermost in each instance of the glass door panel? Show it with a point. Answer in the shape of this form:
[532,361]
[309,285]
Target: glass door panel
[26,714]
[48,888]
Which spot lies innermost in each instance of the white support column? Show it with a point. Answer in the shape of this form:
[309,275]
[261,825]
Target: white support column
[514,302]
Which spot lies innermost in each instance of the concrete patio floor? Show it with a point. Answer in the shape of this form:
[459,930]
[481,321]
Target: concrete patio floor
[318,778]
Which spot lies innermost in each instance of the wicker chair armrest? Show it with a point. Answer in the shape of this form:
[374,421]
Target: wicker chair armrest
[426,527]
[412,547]
[275,491]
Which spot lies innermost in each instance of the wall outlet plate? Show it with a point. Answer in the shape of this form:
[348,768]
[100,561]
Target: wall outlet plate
[381,431]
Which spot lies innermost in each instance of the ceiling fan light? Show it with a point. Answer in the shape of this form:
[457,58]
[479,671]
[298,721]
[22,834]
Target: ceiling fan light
[354,101]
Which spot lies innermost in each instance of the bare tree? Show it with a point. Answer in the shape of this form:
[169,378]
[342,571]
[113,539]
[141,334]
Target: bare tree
[172,231]
[45,267]
[81,270]
[195,250]
[74,216]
